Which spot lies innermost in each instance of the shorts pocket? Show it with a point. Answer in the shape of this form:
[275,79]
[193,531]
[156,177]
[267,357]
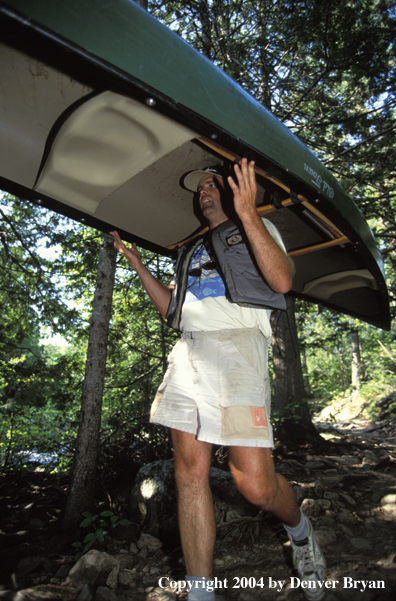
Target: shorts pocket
[245,423]
[243,376]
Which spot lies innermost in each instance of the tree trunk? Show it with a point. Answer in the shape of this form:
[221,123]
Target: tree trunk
[264,95]
[162,321]
[293,425]
[204,16]
[307,385]
[344,384]
[82,487]
[356,365]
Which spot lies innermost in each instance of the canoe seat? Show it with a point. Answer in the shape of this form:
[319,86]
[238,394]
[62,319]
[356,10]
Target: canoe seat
[324,287]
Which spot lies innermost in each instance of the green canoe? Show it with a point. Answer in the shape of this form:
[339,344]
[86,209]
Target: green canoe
[102,111]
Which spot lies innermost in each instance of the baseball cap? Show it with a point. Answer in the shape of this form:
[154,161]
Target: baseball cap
[192,179]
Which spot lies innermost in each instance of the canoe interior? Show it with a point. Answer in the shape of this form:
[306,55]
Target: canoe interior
[114,162]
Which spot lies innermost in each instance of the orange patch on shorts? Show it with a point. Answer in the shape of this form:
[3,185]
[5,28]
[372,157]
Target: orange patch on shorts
[259,415]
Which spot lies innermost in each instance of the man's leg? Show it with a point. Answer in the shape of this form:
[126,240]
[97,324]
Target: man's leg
[195,503]
[254,474]
[255,477]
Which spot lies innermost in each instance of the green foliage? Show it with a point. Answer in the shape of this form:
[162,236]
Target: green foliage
[139,343]
[326,339]
[291,411]
[99,529]
[41,384]
[46,433]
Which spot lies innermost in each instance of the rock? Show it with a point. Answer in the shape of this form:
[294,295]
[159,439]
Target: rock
[133,549]
[92,568]
[361,544]
[346,460]
[299,494]
[125,561]
[370,456]
[324,504]
[346,517]
[325,523]
[389,510]
[105,594]
[153,499]
[319,488]
[86,593]
[158,594]
[347,498]
[112,578]
[388,500]
[152,543]
[331,472]
[325,537]
[28,565]
[283,468]
[346,530]
[314,465]
[38,594]
[391,559]
[331,496]
[62,572]
[311,508]
[126,578]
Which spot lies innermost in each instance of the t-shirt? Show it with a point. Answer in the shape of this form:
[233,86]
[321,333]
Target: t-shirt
[206,307]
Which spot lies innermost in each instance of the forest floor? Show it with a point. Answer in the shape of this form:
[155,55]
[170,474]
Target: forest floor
[349,494]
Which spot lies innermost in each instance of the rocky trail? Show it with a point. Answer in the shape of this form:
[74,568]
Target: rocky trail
[349,494]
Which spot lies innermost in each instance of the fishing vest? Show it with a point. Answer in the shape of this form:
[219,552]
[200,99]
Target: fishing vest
[243,281]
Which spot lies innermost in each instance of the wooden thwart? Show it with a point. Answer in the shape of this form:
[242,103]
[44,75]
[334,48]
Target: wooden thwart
[333,231]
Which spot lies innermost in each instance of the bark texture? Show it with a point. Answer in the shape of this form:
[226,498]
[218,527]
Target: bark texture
[356,364]
[293,424]
[82,487]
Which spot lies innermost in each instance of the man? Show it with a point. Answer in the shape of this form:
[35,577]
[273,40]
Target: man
[216,389]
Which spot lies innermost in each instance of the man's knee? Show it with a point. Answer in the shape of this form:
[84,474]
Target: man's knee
[189,472]
[192,461]
[258,491]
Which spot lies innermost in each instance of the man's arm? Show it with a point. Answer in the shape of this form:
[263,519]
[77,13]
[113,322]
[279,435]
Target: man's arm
[159,294]
[274,264]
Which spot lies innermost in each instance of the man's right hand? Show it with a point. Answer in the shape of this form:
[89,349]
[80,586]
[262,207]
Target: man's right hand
[131,254]
[157,291]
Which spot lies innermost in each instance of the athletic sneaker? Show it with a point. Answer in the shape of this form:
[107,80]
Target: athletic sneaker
[310,564]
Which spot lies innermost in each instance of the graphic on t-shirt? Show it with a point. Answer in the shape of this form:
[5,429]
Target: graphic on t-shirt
[203,279]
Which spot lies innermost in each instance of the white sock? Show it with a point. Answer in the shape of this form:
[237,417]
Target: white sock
[198,590]
[301,531]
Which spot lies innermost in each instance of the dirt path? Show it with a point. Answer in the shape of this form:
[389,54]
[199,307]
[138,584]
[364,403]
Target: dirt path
[351,500]
[349,495]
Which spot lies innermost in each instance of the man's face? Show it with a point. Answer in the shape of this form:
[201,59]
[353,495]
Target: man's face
[209,196]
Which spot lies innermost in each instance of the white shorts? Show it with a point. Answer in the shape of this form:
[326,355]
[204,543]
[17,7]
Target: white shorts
[217,388]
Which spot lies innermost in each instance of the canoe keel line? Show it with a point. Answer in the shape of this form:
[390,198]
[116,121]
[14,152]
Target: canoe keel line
[105,138]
